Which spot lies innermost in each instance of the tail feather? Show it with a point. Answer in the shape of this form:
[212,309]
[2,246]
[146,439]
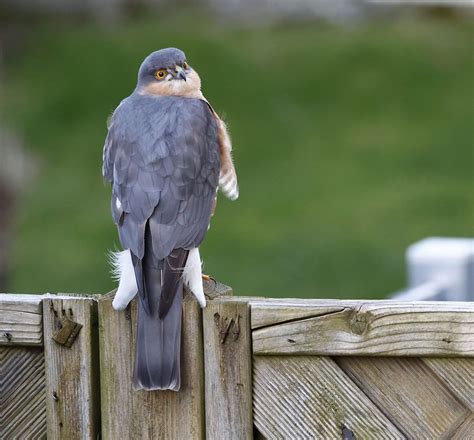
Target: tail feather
[158,344]
[173,267]
[138,267]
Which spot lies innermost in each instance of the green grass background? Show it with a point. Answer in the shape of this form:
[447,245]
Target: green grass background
[350,144]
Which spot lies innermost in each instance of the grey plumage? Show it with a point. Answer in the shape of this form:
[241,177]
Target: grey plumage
[162,157]
[164,58]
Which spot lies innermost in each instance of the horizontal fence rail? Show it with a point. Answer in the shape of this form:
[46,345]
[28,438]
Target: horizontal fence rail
[252,367]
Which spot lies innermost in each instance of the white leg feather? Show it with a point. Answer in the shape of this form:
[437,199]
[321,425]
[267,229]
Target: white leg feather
[192,276]
[122,271]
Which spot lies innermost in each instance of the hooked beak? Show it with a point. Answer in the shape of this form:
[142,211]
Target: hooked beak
[179,73]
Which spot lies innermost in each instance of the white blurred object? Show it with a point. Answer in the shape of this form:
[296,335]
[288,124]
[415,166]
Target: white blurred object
[440,269]
[450,3]
[17,167]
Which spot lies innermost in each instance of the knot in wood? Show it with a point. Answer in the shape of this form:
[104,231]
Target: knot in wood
[359,322]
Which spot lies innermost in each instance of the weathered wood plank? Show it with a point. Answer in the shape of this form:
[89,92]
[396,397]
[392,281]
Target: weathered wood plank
[127,413]
[72,402]
[465,431]
[311,397]
[408,392]
[271,311]
[265,314]
[21,320]
[258,301]
[458,374]
[372,328]
[22,396]
[228,370]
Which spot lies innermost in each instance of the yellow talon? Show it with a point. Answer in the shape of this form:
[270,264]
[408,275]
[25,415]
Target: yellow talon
[206,277]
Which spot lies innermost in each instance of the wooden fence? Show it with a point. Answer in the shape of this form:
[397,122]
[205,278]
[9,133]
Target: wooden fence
[252,367]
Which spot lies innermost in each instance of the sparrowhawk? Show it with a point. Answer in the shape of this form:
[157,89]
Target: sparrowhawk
[166,154]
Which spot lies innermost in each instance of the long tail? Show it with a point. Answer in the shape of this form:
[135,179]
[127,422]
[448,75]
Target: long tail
[158,343]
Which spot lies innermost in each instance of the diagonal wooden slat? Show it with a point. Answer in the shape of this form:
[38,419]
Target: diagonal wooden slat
[466,430]
[20,390]
[458,374]
[311,397]
[408,393]
[22,402]
[22,426]
[22,393]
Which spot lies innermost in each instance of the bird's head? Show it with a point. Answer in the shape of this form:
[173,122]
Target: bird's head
[167,72]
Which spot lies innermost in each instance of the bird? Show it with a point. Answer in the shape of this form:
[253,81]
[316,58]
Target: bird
[166,154]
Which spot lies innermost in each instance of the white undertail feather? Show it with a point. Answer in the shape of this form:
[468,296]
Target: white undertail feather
[122,271]
[192,276]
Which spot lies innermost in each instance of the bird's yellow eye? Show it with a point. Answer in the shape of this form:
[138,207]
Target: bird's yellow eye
[185,65]
[160,74]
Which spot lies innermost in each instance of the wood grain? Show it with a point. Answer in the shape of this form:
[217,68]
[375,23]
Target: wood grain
[22,393]
[458,374]
[72,400]
[228,370]
[408,393]
[127,413]
[21,320]
[271,311]
[372,328]
[266,313]
[311,397]
[465,431]
[416,381]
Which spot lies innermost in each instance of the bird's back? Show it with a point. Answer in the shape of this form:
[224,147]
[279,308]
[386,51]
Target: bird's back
[162,156]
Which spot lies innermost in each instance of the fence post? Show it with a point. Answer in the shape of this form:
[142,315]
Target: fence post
[228,369]
[127,413]
[72,376]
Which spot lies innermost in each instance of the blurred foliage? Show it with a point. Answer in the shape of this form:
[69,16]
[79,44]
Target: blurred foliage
[350,144]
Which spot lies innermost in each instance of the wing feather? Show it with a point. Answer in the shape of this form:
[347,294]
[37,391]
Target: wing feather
[162,157]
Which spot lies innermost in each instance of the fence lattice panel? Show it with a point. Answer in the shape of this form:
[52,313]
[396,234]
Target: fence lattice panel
[345,369]
[22,393]
[252,367]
